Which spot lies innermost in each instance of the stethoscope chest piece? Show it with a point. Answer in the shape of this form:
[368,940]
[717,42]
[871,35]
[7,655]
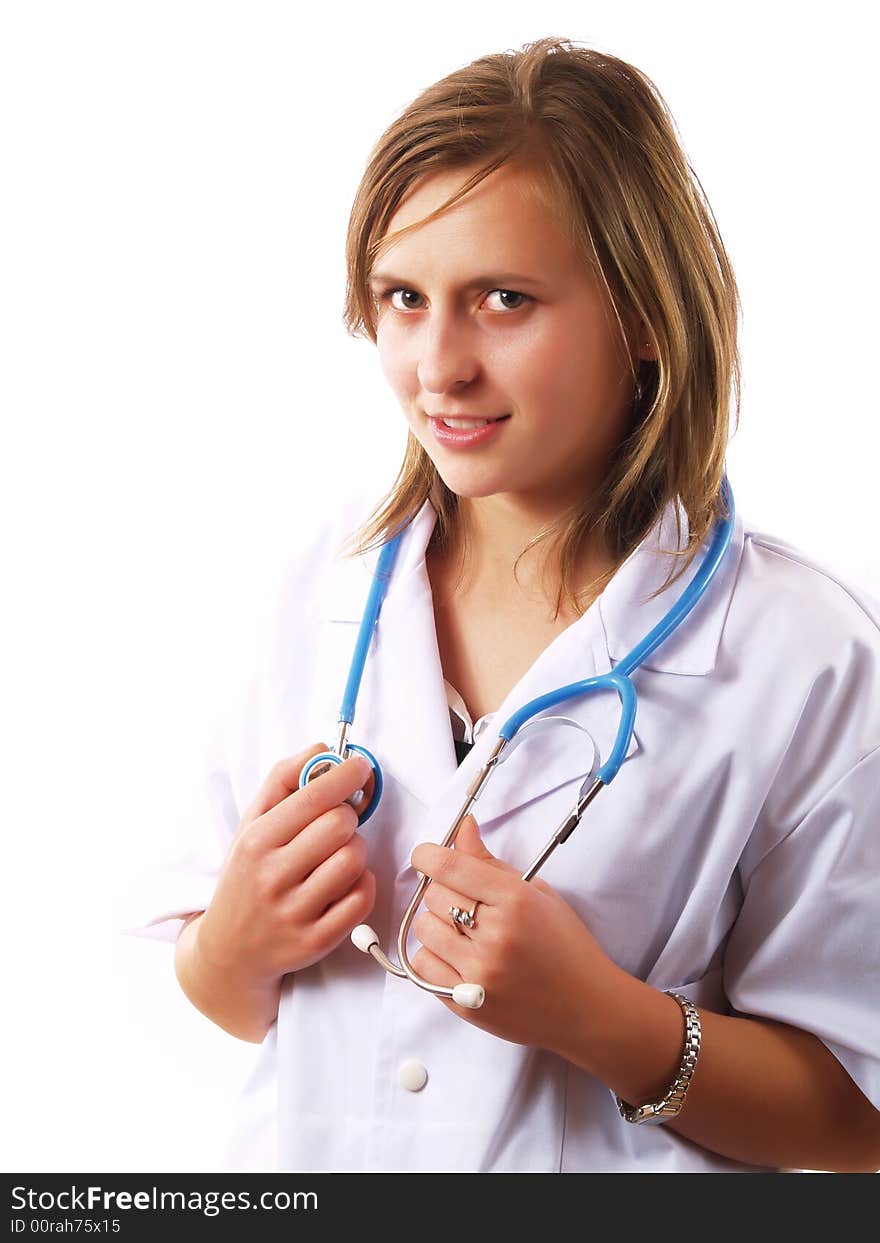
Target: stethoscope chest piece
[322,763]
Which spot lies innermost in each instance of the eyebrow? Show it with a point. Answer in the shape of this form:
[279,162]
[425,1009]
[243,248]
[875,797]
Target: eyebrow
[495,280]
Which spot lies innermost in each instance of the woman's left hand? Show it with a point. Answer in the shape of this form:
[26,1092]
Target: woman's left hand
[544,973]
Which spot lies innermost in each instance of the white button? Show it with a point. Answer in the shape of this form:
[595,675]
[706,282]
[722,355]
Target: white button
[412,1076]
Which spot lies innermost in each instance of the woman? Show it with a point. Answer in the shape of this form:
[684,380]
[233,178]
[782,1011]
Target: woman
[555,312]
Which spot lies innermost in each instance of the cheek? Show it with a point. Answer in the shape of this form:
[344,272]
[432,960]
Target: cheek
[397,367]
[544,365]
[569,364]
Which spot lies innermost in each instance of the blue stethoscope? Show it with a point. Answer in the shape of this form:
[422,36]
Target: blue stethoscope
[512,733]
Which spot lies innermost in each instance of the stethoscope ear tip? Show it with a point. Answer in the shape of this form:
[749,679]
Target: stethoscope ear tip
[364,938]
[471,996]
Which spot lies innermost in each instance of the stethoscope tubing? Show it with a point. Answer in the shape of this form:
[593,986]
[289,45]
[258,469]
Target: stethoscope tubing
[372,609]
[378,591]
[617,679]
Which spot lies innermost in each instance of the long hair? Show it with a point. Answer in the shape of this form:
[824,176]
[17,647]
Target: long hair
[600,145]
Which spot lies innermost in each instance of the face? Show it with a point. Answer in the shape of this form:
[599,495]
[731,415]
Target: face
[488,312]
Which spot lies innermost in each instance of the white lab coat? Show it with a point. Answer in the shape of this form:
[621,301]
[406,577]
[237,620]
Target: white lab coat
[734,859]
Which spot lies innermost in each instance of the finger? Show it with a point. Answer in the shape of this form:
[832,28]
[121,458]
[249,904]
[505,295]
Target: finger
[435,970]
[332,879]
[438,898]
[316,842]
[465,874]
[360,799]
[469,842]
[282,780]
[351,909]
[360,805]
[283,822]
[443,939]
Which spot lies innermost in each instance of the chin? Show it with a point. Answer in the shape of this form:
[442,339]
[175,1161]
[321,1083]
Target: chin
[470,489]
[469,480]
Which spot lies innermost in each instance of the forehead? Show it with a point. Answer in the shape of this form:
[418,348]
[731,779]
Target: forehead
[505,220]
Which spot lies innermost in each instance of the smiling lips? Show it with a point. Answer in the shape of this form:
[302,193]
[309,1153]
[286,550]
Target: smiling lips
[461,432]
[461,423]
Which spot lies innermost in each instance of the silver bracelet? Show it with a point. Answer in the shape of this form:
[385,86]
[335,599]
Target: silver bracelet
[669,1105]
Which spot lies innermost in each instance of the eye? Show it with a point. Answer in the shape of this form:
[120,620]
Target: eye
[510,293]
[389,294]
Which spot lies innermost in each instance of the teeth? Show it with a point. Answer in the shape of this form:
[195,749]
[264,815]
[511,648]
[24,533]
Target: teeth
[467,423]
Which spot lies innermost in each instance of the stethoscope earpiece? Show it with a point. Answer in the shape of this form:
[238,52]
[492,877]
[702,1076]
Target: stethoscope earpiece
[470,996]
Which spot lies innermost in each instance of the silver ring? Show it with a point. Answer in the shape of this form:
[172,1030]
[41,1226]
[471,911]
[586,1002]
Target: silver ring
[463,919]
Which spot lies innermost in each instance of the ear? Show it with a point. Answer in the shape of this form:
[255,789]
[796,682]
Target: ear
[639,339]
[645,351]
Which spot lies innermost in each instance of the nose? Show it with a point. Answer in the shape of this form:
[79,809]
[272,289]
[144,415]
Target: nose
[448,355]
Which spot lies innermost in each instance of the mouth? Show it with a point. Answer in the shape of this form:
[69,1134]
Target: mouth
[459,433]
[461,424]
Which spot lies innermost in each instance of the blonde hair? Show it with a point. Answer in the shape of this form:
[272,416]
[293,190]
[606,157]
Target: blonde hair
[601,145]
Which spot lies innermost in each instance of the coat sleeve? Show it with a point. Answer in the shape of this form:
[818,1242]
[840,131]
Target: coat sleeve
[804,949]
[241,748]
[182,880]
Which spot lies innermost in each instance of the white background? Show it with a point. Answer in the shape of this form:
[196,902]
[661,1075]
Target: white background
[179,395]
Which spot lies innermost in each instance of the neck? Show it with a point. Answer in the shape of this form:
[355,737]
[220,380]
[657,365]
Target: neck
[496,529]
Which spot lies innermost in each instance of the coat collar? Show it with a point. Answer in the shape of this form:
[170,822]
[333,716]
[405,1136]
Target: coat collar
[628,614]
[625,610]
[403,715]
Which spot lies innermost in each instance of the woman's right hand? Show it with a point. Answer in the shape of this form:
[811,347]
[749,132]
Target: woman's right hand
[294,883]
